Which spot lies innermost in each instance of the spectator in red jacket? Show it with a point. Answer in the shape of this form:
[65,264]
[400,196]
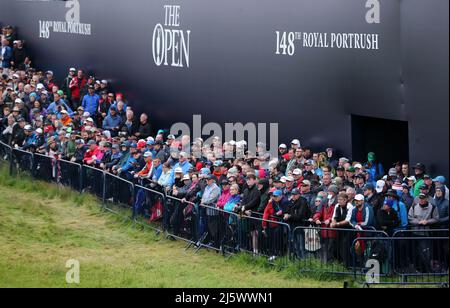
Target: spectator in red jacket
[323,218]
[75,86]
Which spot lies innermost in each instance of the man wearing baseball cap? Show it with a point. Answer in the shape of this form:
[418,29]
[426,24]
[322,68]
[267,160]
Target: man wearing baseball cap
[90,101]
[297,214]
[372,197]
[439,181]
[387,217]
[362,214]
[374,168]
[419,172]
[183,164]
[422,217]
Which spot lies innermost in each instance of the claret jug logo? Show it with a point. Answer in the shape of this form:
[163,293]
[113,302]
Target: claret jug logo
[71,25]
[170,43]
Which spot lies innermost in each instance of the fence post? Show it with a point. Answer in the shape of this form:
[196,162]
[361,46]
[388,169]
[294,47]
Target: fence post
[104,191]
[11,162]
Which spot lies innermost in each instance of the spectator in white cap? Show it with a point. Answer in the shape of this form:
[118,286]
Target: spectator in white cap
[362,215]
[282,149]
[183,165]
[380,187]
[295,144]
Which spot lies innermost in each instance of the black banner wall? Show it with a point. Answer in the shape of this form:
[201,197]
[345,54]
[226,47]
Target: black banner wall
[308,65]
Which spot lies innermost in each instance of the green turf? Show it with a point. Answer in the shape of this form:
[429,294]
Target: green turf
[42,226]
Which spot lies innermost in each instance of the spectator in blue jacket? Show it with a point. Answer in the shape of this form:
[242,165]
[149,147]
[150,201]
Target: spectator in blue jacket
[6,54]
[374,168]
[58,105]
[90,101]
[183,163]
[400,208]
[112,122]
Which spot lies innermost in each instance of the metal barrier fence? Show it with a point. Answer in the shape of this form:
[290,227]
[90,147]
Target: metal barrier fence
[5,151]
[149,204]
[413,258]
[21,161]
[380,267]
[69,174]
[330,249]
[117,190]
[409,257]
[92,181]
[43,167]
[181,219]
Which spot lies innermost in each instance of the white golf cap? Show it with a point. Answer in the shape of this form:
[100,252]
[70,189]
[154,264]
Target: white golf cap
[178,170]
[411,178]
[296,142]
[39,131]
[289,178]
[18,101]
[27,127]
[282,146]
[73,69]
[297,172]
[148,154]
[380,185]
[358,166]
[89,120]
[39,86]
[283,179]
[184,154]
[359,197]
[186,177]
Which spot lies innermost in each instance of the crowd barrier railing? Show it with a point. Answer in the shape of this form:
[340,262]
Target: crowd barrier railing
[69,174]
[118,190]
[408,257]
[149,204]
[329,249]
[43,167]
[22,161]
[378,263]
[92,181]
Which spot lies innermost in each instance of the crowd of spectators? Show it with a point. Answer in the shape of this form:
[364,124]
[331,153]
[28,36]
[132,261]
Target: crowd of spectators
[81,119]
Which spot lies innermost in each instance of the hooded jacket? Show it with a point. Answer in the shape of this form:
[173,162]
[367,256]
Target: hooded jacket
[442,206]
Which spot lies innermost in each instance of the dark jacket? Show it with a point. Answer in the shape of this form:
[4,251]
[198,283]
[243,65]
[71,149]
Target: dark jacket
[299,211]
[251,198]
[144,130]
[442,206]
[264,192]
[388,221]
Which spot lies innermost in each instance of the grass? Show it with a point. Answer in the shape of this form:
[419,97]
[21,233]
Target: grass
[42,226]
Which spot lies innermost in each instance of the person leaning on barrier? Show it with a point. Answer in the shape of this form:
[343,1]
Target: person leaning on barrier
[251,196]
[341,220]
[209,199]
[147,171]
[342,212]
[362,214]
[423,215]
